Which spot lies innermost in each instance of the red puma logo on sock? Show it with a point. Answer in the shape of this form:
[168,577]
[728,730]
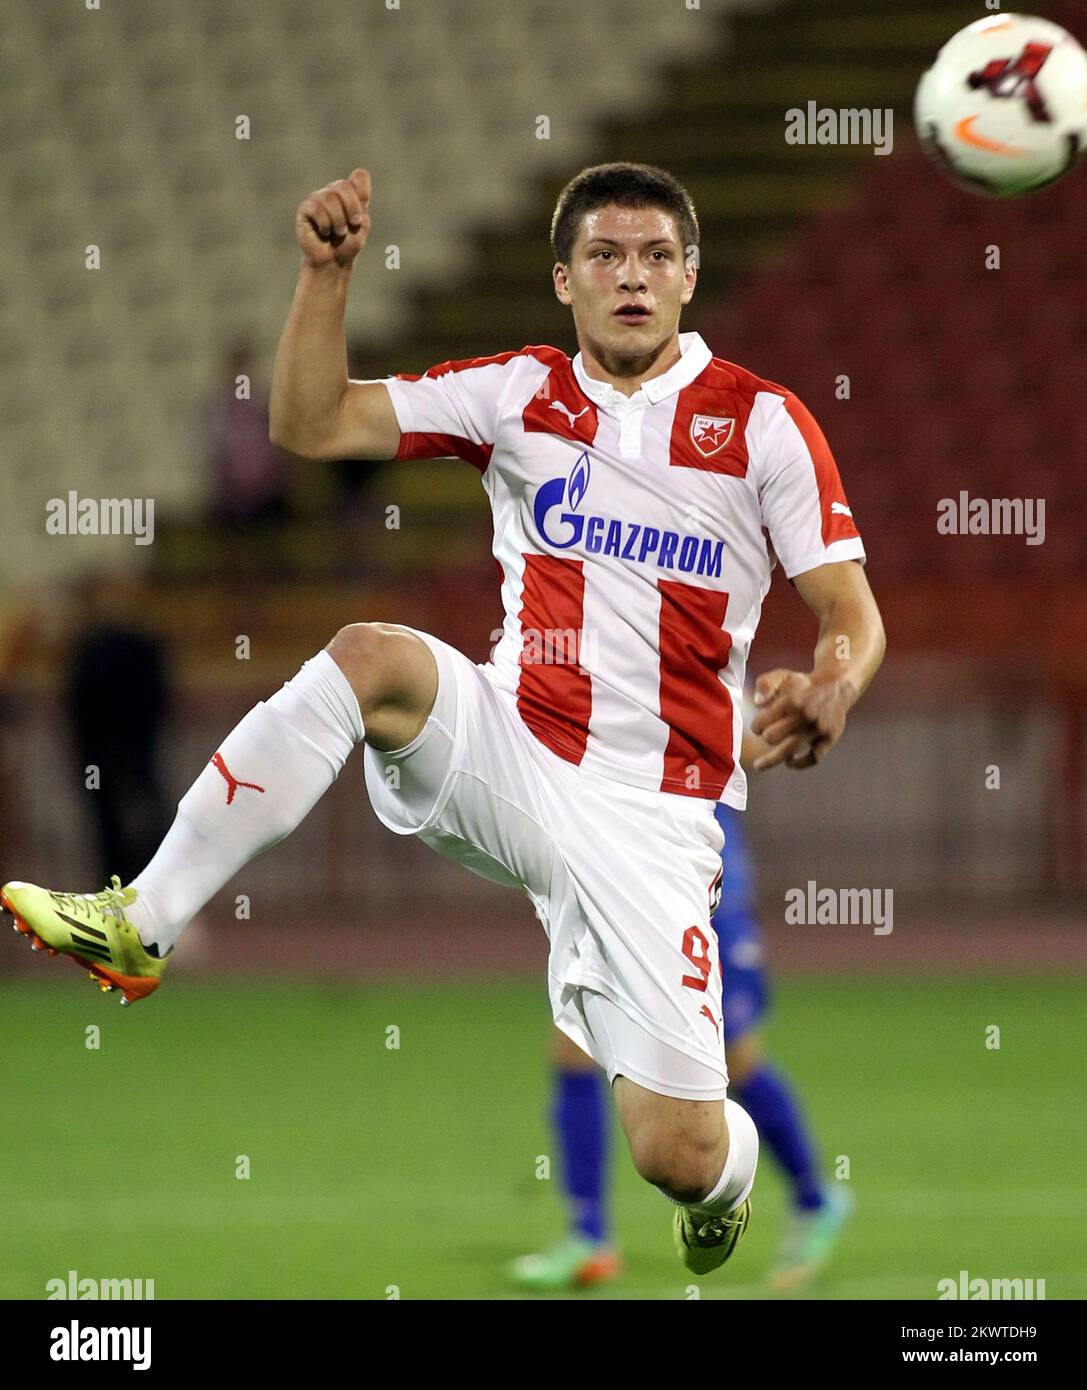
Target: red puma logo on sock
[705,1010]
[232,783]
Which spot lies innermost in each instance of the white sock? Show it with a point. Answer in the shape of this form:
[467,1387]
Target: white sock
[738,1175]
[263,780]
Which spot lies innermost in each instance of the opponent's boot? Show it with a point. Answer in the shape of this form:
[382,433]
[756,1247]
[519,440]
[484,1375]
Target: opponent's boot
[810,1240]
[575,1263]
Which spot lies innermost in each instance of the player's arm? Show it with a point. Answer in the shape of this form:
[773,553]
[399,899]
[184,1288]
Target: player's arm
[802,716]
[315,411]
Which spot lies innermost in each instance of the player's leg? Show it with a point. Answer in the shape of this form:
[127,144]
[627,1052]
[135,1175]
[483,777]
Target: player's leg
[684,1147]
[579,1117]
[699,1152]
[374,681]
[819,1210]
[394,677]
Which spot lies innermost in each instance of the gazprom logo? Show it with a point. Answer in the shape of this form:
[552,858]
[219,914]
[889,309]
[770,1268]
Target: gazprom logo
[550,495]
[626,540]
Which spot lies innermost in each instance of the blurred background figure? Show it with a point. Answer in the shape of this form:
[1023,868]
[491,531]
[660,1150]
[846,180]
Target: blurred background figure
[117,697]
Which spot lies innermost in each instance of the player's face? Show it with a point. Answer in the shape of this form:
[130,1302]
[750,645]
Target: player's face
[626,282]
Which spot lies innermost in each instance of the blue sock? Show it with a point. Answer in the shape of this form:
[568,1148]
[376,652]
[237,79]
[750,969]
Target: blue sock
[768,1100]
[580,1117]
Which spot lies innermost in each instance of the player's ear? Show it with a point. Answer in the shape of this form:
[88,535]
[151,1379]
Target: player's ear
[558,275]
[690,274]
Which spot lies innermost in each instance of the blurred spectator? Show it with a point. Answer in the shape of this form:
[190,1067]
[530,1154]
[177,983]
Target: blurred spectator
[117,696]
[250,474]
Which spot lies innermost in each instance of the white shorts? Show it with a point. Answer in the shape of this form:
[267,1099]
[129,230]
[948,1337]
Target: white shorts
[620,877]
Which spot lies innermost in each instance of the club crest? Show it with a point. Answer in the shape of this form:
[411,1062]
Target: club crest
[711,433]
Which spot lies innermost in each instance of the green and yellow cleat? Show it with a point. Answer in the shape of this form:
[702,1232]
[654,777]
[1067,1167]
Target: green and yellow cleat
[92,929]
[576,1263]
[704,1245]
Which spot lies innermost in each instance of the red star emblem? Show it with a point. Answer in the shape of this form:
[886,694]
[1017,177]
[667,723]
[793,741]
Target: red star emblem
[710,433]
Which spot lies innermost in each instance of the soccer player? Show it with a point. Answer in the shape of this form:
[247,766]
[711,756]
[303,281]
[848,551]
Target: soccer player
[586,1257]
[639,493]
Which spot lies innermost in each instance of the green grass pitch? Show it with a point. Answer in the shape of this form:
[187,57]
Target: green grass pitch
[415,1167]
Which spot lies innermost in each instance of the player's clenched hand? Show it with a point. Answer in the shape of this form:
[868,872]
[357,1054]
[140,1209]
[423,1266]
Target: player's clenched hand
[333,223]
[801,718]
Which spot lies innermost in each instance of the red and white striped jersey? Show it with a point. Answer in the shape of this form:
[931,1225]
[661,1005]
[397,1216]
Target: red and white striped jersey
[632,537]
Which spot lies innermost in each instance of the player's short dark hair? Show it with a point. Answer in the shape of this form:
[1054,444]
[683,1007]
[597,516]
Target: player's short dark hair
[629,186]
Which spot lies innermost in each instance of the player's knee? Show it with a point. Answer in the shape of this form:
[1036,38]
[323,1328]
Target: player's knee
[365,653]
[681,1167]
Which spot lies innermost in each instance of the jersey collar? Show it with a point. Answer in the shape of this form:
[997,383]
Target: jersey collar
[695,358]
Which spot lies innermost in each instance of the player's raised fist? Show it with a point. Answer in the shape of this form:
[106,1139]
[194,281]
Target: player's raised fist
[333,223]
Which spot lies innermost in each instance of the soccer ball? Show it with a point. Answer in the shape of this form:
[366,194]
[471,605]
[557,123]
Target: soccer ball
[1003,109]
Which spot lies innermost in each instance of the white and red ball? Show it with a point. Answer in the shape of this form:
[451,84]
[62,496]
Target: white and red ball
[1003,108]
